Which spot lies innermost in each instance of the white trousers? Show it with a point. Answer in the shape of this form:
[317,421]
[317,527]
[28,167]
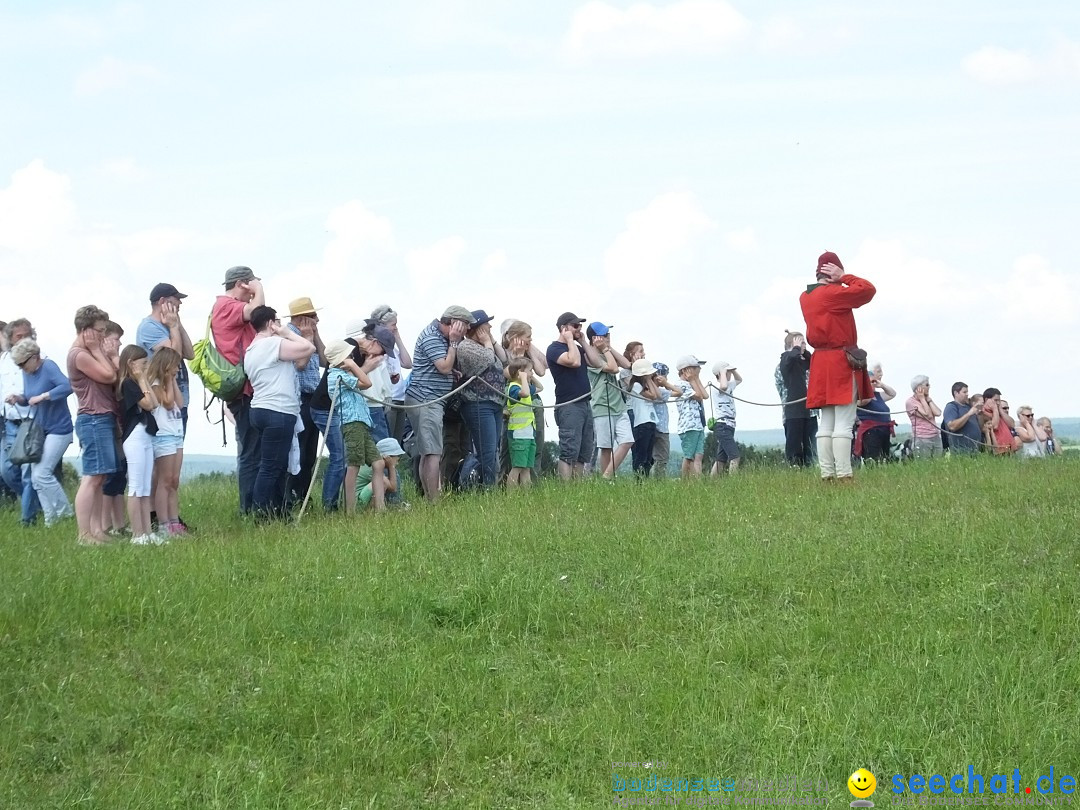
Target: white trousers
[834,437]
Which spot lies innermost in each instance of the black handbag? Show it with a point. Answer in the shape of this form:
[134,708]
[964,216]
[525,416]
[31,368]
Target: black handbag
[29,442]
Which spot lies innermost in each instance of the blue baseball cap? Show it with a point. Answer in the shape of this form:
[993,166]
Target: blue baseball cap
[597,329]
[661,369]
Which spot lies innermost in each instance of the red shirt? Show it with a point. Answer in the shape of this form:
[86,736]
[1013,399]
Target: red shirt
[830,326]
[232,334]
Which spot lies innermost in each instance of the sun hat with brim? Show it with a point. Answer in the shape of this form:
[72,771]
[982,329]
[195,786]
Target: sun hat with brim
[389,447]
[338,352]
[238,274]
[456,313]
[642,368]
[687,361]
[302,306]
[720,365]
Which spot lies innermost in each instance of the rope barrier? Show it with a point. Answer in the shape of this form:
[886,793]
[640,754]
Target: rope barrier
[626,393]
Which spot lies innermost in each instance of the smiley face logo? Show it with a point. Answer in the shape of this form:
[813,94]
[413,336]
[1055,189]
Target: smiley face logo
[862,784]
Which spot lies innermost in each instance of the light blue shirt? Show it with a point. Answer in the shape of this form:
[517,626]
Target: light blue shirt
[350,401]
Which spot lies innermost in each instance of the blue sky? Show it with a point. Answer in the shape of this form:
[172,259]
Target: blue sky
[673,169]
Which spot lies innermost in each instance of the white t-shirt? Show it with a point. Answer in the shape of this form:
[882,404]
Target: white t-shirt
[11,382]
[393,366]
[170,421]
[272,379]
[644,410]
[723,404]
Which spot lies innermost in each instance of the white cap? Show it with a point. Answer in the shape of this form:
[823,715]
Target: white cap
[687,361]
[720,365]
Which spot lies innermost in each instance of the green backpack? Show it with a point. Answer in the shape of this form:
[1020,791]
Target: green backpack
[220,377]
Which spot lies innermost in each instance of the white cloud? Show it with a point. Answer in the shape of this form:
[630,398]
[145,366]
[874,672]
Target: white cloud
[35,209]
[123,169]
[113,74]
[658,243]
[743,240]
[695,27]
[435,264]
[994,65]
[1035,294]
[780,33]
[494,262]
[998,66]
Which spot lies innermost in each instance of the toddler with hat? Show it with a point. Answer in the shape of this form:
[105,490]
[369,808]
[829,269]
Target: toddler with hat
[389,451]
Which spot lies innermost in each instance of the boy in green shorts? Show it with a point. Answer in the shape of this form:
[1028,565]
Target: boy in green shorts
[522,424]
[345,380]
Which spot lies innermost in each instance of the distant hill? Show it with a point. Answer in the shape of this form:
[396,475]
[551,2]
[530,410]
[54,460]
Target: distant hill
[194,465]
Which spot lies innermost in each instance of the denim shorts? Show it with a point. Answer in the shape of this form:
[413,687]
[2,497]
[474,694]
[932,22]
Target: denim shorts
[97,438]
[166,444]
[726,448]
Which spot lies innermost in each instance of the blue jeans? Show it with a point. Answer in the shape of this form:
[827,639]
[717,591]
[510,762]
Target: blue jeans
[17,477]
[484,420]
[380,428]
[334,477]
[276,430]
[54,501]
[247,451]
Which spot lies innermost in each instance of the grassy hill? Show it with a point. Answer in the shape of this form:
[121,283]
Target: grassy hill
[505,651]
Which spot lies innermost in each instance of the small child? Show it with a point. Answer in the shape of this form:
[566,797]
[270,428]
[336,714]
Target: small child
[644,394]
[727,451]
[169,440]
[390,451]
[138,427]
[1047,428]
[115,484]
[523,386]
[345,382]
[691,414]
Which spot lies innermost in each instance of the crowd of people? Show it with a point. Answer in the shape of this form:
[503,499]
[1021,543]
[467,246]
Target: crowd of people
[469,404]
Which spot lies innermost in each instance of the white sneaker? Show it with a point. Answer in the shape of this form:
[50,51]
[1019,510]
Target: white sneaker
[158,539]
[142,540]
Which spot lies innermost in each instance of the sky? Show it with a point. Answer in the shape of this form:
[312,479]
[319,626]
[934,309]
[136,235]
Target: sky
[670,168]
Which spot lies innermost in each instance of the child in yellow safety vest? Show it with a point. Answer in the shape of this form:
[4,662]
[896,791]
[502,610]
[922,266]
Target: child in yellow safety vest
[522,423]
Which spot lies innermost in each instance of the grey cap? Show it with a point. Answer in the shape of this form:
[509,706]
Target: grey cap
[238,274]
[384,337]
[456,313]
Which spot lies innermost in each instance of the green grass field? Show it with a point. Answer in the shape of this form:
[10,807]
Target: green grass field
[504,651]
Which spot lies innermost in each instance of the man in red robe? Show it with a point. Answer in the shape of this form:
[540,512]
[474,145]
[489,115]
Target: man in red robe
[834,386]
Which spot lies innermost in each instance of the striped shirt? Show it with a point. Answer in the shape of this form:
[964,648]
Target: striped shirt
[426,382]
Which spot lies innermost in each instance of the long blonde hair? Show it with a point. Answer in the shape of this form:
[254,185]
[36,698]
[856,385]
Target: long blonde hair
[162,371]
[517,329]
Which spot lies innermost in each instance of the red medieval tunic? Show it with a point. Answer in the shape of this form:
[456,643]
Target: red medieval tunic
[830,326]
